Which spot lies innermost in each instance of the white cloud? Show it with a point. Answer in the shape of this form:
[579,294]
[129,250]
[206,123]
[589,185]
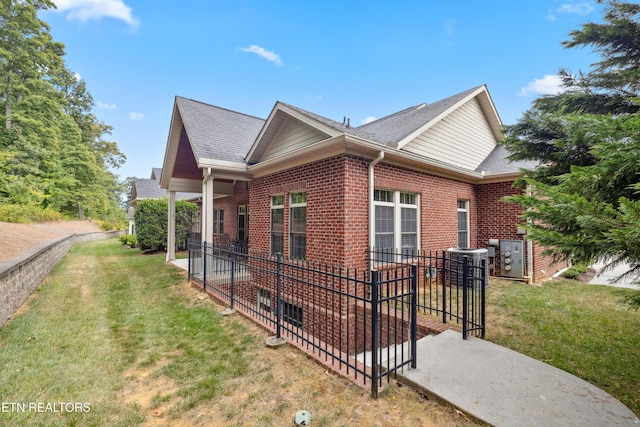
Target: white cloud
[77,76]
[548,85]
[580,9]
[368,119]
[266,54]
[106,106]
[84,10]
[136,116]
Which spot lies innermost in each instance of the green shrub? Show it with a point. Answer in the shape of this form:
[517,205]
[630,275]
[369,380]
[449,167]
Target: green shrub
[129,239]
[574,271]
[151,223]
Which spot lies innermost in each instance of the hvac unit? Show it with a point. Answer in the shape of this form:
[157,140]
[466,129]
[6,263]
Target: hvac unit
[475,258]
[512,258]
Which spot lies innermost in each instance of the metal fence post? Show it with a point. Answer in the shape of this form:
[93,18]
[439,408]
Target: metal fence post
[483,295]
[444,287]
[233,268]
[414,315]
[465,289]
[374,334]
[278,294]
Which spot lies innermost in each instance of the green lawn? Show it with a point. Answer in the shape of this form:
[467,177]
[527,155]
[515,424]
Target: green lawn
[582,329]
[114,337]
[122,335]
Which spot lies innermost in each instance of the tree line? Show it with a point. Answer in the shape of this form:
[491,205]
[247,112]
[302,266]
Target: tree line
[54,158]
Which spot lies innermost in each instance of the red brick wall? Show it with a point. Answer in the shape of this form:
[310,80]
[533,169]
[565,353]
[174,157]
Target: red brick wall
[499,220]
[336,212]
[338,206]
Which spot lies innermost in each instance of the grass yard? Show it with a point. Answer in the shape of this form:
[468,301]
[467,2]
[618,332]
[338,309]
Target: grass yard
[117,338]
[582,329]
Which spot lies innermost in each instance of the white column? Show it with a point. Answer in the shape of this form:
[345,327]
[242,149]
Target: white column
[171,227]
[207,209]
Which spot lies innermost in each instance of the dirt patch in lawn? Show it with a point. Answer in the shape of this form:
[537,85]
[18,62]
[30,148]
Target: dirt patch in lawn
[281,382]
[18,238]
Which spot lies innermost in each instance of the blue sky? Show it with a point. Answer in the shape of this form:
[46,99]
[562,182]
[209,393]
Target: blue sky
[357,59]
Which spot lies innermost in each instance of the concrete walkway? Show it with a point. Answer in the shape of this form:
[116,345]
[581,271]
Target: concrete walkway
[608,277]
[504,388]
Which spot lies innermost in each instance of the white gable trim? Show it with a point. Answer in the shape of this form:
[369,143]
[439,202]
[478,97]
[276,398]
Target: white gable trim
[494,122]
[265,138]
[173,140]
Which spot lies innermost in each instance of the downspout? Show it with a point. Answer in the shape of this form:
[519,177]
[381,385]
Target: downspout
[372,219]
[530,271]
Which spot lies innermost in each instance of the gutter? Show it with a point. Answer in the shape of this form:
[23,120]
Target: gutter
[372,224]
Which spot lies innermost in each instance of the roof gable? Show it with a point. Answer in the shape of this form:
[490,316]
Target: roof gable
[288,128]
[463,138]
[217,133]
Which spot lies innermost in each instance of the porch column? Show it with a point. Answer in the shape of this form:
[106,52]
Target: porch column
[171,227]
[207,209]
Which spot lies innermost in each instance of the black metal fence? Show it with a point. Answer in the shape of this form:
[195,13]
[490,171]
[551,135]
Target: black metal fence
[450,286]
[361,323]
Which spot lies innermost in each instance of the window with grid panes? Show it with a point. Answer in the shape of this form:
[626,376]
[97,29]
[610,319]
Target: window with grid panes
[218,221]
[277,224]
[298,226]
[463,223]
[396,223]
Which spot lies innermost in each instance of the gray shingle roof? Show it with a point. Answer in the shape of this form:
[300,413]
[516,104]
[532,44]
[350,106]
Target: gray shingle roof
[497,162]
[222,134]
[217,133]
[393,128]
[150,188]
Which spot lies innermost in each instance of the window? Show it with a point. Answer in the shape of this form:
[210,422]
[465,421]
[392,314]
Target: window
[298,226]
[243,220]
[218,221]
[396,222]
[463,223]
[277,224]
[292,314]
[264,299]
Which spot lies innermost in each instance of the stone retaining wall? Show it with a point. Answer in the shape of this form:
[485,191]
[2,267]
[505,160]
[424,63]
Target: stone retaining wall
[20,276]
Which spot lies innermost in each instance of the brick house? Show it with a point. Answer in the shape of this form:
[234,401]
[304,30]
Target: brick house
[428,177]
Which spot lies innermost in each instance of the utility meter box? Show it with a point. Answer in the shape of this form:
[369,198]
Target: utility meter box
[512,258]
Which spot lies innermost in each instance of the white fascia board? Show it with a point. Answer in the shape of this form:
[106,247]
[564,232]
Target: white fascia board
[407,139]
[298,116]
[490,178]
[171,151]
[225,169]
[332,132]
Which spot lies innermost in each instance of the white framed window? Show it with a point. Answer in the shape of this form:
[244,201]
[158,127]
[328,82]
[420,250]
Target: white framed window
[298,226]
[277,224]
[463,224]
[396,222]
[218,221]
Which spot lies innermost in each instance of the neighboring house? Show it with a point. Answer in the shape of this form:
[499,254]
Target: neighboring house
[150,189]
[428,177]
